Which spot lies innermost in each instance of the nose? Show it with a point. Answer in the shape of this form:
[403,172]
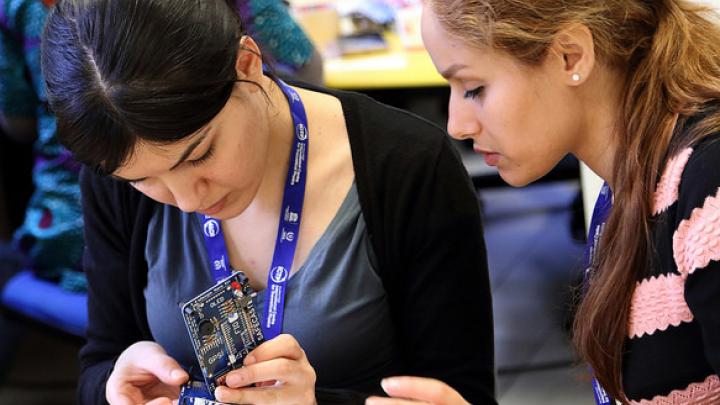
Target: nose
[187,191]
[462,121]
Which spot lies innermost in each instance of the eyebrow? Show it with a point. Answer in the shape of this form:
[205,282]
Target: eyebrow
[450,72]
[201,137]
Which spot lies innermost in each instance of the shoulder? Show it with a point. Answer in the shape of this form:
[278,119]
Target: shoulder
[365,114]
[698,205]
[383,134]
[395,152]
[701,175]
[695,237]
[690,173]
[704,157]
[376,115]
[389,139]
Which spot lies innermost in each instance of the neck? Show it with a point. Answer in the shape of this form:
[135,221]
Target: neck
[281,134]
[600,102]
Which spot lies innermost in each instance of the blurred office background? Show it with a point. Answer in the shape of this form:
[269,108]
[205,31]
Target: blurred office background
[534,235]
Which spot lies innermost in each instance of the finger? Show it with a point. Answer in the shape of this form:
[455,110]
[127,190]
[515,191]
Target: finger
[282,369]
[149,358]
[423,389]
[266,395]
[160,390]
[391,401]
[164,367]
[160,401]
[281,346]
[247,395]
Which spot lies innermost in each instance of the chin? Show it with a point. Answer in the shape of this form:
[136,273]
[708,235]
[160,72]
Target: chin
[518,179]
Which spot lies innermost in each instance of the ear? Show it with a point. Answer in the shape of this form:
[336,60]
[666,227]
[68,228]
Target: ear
[575,45]
[249,65]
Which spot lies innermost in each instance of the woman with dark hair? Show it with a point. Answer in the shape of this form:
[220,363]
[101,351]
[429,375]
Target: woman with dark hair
[166,104]
[632,88]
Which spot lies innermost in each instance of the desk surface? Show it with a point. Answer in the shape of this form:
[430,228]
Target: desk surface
[395,68]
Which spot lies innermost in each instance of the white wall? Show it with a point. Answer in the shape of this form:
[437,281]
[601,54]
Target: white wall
[715,3]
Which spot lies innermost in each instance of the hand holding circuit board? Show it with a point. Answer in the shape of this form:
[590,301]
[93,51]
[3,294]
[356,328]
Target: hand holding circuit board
[223,326]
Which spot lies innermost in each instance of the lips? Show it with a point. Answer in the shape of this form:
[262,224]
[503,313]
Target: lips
[480,150]
[214,209]
[491,158]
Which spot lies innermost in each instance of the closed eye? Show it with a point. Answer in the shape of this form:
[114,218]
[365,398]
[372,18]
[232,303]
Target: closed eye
[474,93]
[131,181]
[204,158]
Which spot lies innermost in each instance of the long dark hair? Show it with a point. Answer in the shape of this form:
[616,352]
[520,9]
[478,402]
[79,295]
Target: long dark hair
[121,70]
[669,51]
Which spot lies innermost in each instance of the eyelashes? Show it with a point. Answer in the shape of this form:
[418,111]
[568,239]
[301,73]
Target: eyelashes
[204,158]
[474,93]
[194,163]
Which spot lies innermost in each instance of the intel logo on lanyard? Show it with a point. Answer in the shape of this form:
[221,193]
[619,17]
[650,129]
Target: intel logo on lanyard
[211,228]
[279,274]
[301,132]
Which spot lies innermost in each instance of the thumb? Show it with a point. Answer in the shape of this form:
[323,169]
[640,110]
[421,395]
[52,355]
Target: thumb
[165,368]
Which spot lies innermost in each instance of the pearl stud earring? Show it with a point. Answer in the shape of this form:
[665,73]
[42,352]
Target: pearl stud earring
[576,77]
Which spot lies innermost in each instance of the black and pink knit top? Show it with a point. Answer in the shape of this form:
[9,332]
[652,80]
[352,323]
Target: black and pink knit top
[672,352]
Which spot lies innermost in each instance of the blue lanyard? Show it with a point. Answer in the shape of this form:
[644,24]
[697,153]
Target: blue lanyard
[603,205]
[288,228]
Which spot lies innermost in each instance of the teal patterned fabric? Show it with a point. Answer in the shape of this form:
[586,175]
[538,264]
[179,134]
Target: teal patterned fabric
[51,234]
[269,22]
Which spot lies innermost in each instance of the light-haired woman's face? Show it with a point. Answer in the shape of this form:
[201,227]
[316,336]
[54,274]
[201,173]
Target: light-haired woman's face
[521,119]
[216,171]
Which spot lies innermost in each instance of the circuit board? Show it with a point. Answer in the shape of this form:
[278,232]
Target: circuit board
[223,327]
[195,393]
[199,401]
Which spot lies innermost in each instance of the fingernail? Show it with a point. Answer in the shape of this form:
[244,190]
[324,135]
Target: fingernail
[219,393]
[371,401]
[234,381]
[177,374]
[389,383]
[249,360]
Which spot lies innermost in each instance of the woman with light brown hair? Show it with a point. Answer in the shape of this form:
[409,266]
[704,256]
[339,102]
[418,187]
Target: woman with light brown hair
[632,88]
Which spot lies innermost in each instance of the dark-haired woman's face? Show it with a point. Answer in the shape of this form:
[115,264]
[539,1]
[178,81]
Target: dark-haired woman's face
[216,171]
